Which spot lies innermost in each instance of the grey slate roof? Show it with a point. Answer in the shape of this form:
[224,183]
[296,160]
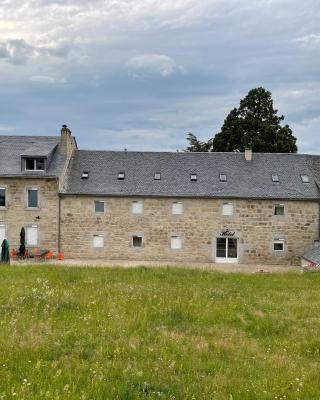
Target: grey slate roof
[313,255]
[13,147]
[245,179]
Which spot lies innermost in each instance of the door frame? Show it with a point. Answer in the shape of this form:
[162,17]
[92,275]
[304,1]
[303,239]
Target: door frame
[226,260]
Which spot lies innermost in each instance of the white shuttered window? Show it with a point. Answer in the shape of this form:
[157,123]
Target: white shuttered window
[176,242]
[227,209]
[177,208]
[32,235]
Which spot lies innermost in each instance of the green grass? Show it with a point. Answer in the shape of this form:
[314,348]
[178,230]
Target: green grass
[76,333]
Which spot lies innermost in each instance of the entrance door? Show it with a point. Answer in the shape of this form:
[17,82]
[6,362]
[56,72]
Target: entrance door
[227,250]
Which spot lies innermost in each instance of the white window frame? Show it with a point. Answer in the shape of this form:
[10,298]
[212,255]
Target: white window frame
[94,206]
[5,198]
[305,178]
[278,241]
[3,228]
[27,195]
[227,205]
[175,242]
[34,244]
[193,177]
[157,176]
[98,238]
[279,205]
[142,241]
[34,164]
[137,207]
[177,208]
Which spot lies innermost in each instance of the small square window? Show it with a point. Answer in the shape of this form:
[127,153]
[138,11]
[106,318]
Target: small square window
[137,241]
[275,178]
[99,206]
[98,241]
[157,176]
[177,208]
[278,244]
[85,175]
[176,242]
[32,235]
[279,209]
[193,177]
[305,179]
[227,209]
[223,178]
[137,207]
[2,197]
[121,176]
[32,195]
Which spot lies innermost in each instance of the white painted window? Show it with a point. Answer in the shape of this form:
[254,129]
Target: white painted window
[32,198]
[137,207]
[177,207]
[98,241]
[278,245]
[2,233]
[279,209]
[176,242]
[34,164]
[137,241]
[227,209]
[99,206]
[32,235]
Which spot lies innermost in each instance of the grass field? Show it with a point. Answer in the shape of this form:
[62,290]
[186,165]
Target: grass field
[76,333]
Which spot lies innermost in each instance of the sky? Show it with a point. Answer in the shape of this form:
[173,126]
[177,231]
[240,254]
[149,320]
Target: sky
[141,74]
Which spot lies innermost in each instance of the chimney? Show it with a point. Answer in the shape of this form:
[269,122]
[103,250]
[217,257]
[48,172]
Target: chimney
[66,140]
[248,154]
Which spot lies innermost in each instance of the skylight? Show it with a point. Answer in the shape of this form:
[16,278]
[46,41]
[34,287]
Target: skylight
[305,178]
[157,176]
[223,178]
[275,178]
[85,175]
[193,177]
[121,176]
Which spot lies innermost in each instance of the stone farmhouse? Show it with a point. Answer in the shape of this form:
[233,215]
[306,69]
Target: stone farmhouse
[160,206]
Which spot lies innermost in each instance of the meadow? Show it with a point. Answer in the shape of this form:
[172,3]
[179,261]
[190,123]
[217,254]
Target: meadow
[113,333]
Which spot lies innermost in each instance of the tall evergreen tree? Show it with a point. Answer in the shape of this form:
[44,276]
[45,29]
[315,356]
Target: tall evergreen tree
[254,124]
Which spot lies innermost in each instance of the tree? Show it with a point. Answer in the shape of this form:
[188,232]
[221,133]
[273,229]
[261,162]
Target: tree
[255,124]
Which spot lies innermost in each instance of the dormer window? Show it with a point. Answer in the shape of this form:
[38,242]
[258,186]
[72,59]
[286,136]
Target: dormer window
[34,164]
[275,178]
[223,178]
[121,176]
[193,177]
[157,176]
[305,179]
[85,175]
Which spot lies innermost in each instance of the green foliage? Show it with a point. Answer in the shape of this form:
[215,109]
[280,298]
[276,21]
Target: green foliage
[156,333]
[255,124]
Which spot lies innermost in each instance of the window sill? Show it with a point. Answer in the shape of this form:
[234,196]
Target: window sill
[32,208]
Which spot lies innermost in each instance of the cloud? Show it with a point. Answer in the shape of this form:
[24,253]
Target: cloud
[311,41]
[16,51]
[46,79]
[147,65]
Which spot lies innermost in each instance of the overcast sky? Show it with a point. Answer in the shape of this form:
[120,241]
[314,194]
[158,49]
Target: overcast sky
[140,74]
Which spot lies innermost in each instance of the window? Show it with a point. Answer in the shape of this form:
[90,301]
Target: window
[223,178]
[137,241]
[32,201]
[279,209]
[227,209]
[99,206]
[85,175]
[32,235]
[2,197]
[34,164]
[275,178]
[193,177]
[121,176]
[278,244]
[98,241]
[2,233]
[157,176]
[137,207]
[176,243]
[177,208]
[305,178]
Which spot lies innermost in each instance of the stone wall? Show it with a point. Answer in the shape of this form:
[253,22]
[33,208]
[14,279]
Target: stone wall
[16,214]
[252,222]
